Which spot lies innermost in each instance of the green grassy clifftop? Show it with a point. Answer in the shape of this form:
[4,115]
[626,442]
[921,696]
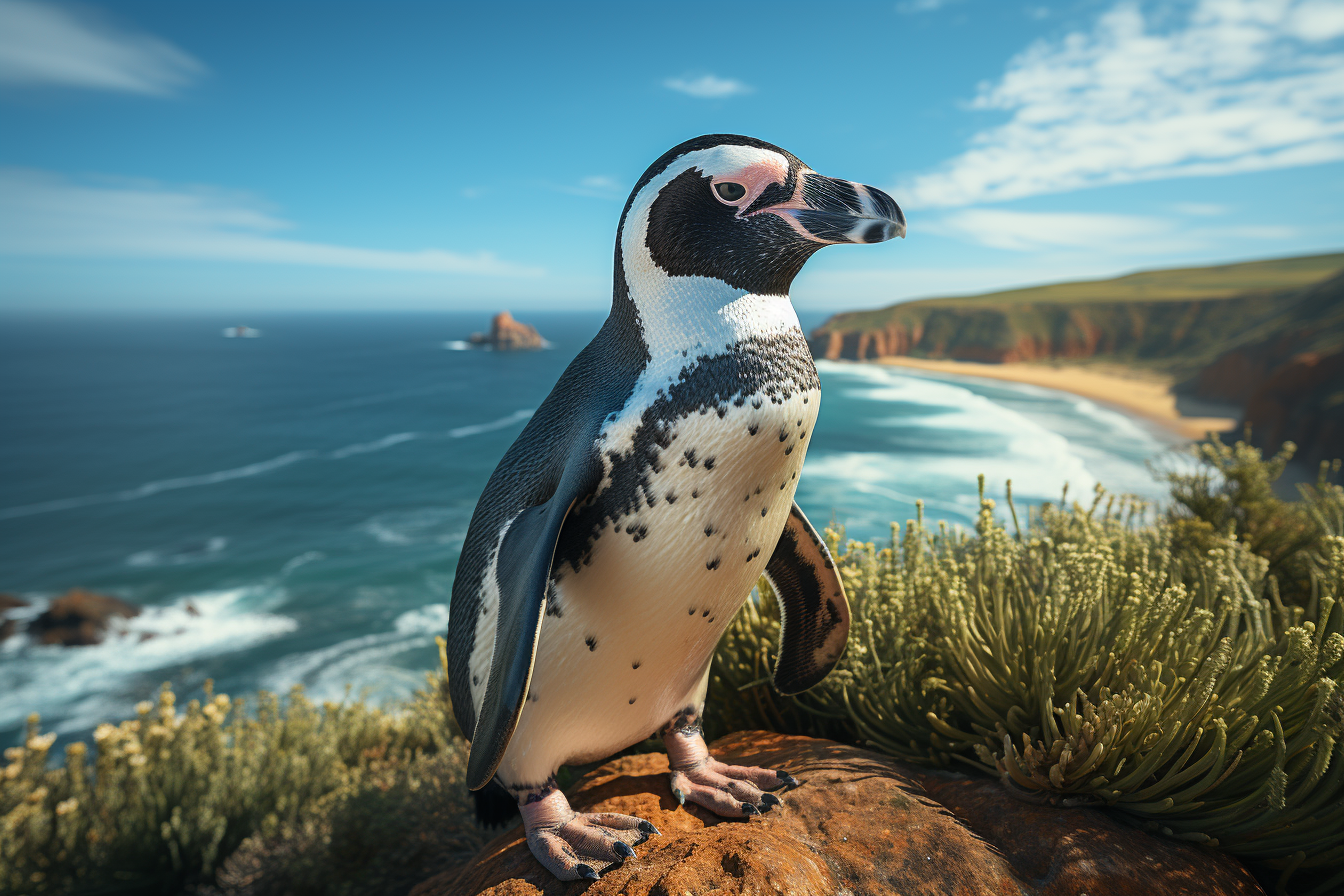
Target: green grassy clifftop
[1267,335]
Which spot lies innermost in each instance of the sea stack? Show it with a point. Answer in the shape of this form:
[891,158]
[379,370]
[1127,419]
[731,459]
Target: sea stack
[508,335]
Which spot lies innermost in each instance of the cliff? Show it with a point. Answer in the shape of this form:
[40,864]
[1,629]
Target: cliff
[1268,336]
[507,334]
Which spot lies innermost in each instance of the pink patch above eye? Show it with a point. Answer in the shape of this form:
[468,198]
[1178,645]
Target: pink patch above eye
[754,178]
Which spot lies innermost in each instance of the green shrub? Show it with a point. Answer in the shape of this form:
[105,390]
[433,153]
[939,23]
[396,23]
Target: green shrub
[170,795]
[1088,661]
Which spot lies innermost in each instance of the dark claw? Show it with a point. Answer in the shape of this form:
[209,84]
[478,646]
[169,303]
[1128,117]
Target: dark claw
[769,800]
[648,828]
[586,871]
[749,809]
[623,850]
[681,797]
[787,778]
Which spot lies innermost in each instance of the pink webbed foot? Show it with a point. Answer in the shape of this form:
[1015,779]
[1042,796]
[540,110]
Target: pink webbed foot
[578,845]
[732,791]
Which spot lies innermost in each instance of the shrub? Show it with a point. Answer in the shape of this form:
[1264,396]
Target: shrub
[1088,661]
[169,795]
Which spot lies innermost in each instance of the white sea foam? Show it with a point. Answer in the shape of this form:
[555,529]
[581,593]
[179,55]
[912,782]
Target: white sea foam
[457,345]
[363,666]
[301,560]
[425,525]
[477,429]
[376,445]
[178,554]
[61,680]
[256,469]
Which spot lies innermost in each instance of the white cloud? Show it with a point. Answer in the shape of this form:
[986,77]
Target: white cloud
[708,87]
[44,45]
[908,7]
[594,186]
[1201,209]
[1232,86]
[1033,231]
[43,214]
[1109,234]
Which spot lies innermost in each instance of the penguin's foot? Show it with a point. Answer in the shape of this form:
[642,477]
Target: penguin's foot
[580,845]
[733,791]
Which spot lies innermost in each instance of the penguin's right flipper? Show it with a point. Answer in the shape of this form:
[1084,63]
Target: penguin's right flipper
[813,610]
[523,569]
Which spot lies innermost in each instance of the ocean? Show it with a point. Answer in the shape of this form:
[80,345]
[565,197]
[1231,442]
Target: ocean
[288,509]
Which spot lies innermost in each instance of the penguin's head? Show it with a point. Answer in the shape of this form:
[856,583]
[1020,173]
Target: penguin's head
[742,212]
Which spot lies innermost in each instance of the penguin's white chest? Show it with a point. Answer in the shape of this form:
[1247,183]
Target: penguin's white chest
[628,635]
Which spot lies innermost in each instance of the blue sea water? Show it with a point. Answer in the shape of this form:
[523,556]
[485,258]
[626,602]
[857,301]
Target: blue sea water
[289,508]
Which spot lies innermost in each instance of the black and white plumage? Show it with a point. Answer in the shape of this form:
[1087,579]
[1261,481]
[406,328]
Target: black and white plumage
[648,493]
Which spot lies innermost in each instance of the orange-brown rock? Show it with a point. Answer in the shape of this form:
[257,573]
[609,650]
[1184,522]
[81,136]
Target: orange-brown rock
[79,618]
[9,627]
[861,824]
[507,334]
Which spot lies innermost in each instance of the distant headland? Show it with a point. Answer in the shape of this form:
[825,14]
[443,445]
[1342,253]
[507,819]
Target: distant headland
[1260,341]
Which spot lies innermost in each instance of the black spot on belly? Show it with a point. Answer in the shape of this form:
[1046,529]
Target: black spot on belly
[756,403]
[753,429]
[689,454]
[709,463]
[695,493]
[691,611]
[632,701]
[781,485]
[783,433]
[635,664]
[709,530]
[712,564]
[758,490]
[804,399]
[670,498]
[788,451]
[475,679]
[591,642]
[753,555]
[723,411]
[706,613]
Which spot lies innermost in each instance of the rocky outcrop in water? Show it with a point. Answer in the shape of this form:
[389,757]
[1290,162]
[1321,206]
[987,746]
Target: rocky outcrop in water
[9,627]
[507,335]
[860,823]
[79,618]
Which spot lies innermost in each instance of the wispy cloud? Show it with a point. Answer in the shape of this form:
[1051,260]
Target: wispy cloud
[1091,232]
[909,7]
[46,45]
[595,186]
[708,87]
[44,214]
[1226,88]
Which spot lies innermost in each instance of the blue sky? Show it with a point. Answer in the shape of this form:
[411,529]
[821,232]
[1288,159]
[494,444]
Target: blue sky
[246,156]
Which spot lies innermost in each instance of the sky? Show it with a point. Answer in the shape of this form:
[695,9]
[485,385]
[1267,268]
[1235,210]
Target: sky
[209,157]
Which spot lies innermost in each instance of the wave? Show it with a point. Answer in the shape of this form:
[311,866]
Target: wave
[428,525]
[178,554]
[362,666]
[80,687]
[255,469]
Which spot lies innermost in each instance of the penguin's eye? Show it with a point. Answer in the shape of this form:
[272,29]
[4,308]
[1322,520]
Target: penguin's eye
[730,192]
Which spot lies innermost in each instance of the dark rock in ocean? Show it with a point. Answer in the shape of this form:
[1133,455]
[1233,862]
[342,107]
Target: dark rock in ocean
[9,627]
[507,335]
[861,823]
[79,618]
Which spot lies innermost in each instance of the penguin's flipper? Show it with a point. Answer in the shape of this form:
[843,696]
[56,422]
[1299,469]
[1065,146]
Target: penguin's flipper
[523,570]
[812,606]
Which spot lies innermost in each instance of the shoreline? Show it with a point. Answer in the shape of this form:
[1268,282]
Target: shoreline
[1143,394]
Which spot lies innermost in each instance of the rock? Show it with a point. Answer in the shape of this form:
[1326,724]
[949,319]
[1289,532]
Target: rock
[861,824]
[9,626]
[79,618]
[507,334]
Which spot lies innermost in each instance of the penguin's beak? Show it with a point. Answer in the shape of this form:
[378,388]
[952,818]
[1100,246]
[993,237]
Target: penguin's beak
[826,210]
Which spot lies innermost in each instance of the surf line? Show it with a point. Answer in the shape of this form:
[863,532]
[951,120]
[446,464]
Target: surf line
[255,469]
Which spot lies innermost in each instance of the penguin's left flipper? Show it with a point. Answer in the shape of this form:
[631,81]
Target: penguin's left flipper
[812,606]
[523,570]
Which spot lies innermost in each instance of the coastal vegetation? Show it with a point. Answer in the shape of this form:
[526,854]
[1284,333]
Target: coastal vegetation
[1179,669]
[1265,336]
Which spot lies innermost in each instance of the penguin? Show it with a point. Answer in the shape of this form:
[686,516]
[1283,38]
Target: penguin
[646,496]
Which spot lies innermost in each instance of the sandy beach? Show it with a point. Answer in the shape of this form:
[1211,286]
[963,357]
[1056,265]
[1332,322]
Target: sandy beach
[1145,394]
